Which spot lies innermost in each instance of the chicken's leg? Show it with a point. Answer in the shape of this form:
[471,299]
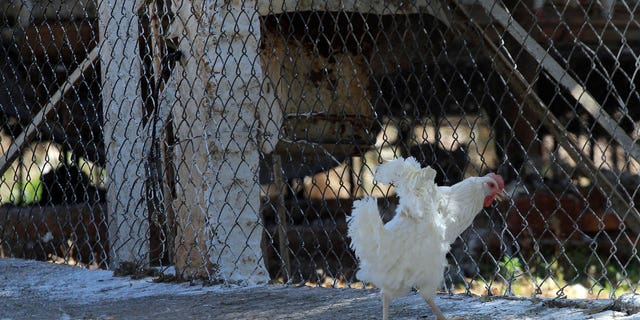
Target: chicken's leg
[386,300]
[434,307]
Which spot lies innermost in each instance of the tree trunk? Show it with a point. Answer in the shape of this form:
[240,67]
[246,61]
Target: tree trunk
[219,88]
[122,105]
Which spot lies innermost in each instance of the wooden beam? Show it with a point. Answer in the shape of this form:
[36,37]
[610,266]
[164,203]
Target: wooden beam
[29,132]
[39,231]
[380,7]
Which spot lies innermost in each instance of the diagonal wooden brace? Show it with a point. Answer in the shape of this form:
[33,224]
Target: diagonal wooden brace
[522,89]
[27,134]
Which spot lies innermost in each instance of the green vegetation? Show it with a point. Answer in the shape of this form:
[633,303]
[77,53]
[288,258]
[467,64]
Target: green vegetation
[31,191]
[23,192]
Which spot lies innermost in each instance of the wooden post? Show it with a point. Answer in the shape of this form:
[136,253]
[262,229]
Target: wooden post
[282,221]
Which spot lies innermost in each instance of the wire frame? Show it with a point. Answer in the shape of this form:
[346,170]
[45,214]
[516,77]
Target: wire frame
[228,140]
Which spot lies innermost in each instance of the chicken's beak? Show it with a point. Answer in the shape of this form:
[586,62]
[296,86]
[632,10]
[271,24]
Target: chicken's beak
[501,196]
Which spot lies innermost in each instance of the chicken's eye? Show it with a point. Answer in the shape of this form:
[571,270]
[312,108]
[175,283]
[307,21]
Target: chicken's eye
[492,185]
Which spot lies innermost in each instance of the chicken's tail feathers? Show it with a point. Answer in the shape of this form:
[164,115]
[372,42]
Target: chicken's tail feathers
[405,174]
[393,171]
[365,228]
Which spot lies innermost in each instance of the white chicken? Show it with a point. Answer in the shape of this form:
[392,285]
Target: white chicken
[410,250]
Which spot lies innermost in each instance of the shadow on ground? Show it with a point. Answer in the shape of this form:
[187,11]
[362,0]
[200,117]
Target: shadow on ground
[39,290]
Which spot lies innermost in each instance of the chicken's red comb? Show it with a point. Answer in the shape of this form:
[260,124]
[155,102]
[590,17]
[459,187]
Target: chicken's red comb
[497,178]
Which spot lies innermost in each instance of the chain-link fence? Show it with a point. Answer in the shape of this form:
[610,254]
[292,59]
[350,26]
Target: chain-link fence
[229,139]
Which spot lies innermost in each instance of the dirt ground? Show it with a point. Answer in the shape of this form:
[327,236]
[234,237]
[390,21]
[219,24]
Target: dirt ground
[38,290]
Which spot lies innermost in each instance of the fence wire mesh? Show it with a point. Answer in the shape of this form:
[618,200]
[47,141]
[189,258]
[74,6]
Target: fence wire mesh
[229,139]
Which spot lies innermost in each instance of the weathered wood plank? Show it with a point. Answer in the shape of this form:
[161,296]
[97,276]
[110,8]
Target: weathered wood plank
[36,232]
[381,7]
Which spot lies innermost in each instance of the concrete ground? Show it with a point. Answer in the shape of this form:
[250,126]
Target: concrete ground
[40,290]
